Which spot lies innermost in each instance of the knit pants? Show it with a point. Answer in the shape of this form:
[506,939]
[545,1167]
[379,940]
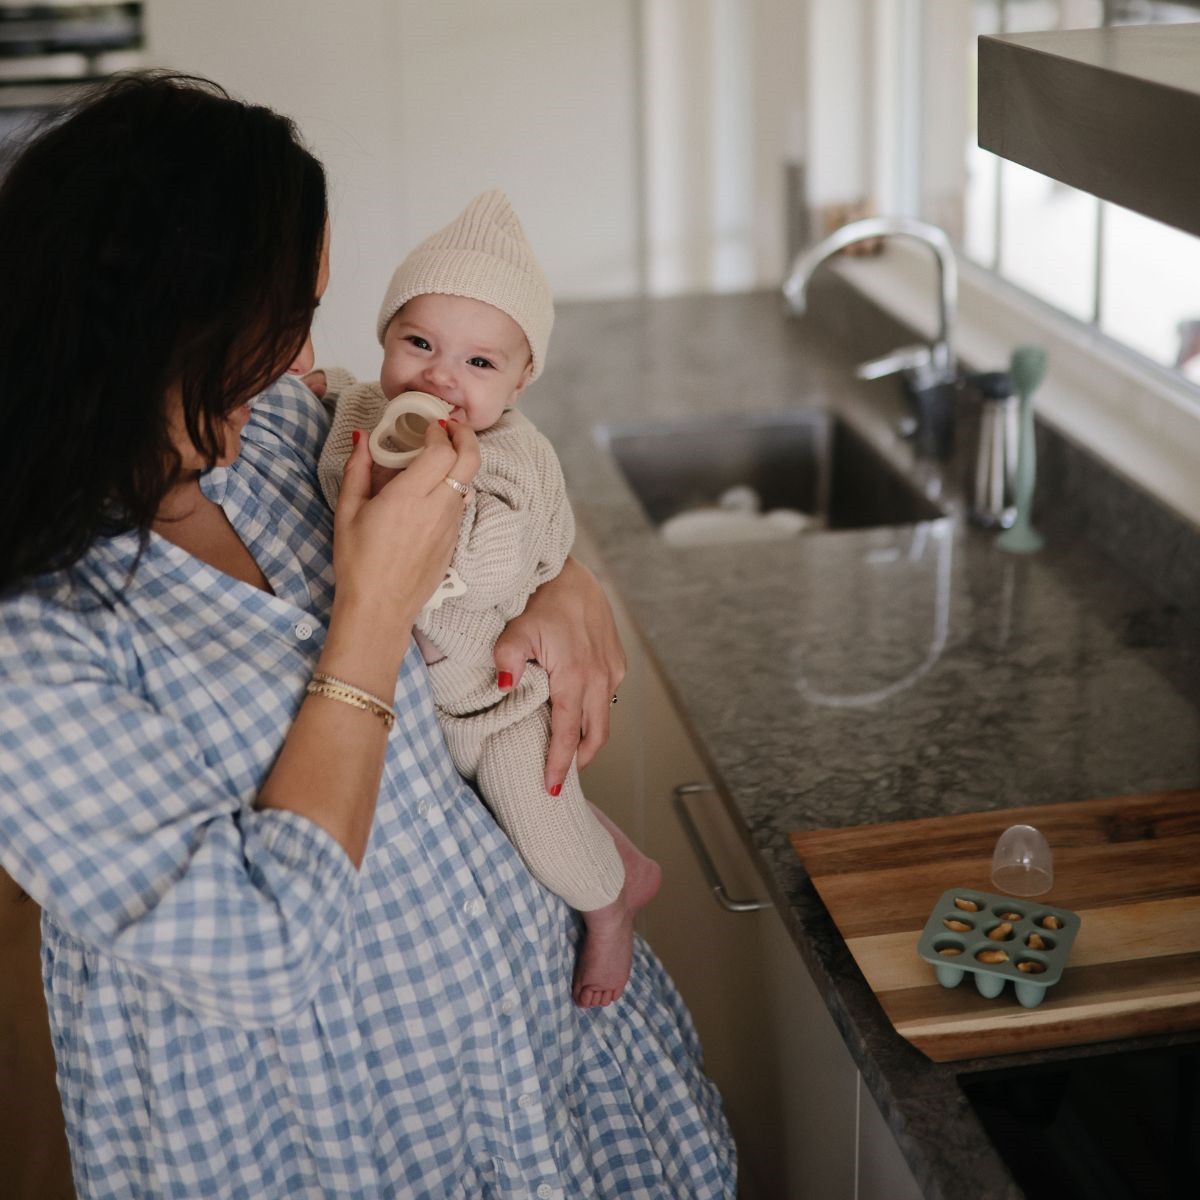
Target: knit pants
[500,740]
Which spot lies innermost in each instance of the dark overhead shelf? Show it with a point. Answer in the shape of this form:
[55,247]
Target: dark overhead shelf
[1115,112]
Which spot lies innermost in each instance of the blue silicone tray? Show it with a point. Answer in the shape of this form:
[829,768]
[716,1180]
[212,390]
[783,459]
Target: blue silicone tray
[966,922]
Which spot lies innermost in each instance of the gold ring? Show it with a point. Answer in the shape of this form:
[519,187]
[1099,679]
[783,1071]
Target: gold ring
[460,488]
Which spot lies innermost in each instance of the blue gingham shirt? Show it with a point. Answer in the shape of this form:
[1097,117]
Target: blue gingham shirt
[236,1011]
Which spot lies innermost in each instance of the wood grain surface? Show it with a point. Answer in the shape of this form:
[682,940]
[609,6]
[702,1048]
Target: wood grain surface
[34,1164]
[1129,866]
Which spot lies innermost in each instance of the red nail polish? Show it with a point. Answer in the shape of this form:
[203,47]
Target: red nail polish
[443,424]
[504,680]
[357,435]
[556,789]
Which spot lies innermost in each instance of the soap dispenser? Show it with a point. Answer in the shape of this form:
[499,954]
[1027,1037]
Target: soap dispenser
[993,493]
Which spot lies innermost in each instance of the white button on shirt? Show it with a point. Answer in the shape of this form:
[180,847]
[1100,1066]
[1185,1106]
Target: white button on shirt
[507,1005]
[545,1191]
[474,908]
[527,1100]
[303,630]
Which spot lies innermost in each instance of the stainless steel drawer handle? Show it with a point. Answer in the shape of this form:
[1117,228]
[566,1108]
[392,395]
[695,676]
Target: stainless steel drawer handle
[707,866]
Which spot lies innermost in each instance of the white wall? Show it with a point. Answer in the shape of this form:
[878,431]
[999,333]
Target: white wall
[536,97]
[642,141]
[723,85]
[417,105]
[947,27]
[839,101]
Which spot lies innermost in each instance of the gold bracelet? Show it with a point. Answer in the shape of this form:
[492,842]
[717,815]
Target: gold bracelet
[335,693]
[333,688]
[379,701]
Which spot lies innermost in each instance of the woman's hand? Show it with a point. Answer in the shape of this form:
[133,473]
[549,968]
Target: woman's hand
[391,549]
[390,552]
[568,627]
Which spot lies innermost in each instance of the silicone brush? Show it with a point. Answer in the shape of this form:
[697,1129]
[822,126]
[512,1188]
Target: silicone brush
[1027,370]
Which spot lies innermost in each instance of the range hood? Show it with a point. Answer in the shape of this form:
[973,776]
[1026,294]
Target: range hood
[1114,112]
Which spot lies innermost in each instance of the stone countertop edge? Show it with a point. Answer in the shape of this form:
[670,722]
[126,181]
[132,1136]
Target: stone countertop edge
[1058,677]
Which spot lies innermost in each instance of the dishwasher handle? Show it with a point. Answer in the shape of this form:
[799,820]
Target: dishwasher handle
[707,866]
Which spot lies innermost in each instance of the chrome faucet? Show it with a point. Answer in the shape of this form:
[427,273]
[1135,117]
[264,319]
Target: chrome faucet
[928,372]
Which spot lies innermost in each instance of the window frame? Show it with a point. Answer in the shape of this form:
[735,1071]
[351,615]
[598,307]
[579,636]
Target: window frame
[1140,417]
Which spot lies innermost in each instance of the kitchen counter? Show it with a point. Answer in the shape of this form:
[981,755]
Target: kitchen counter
[851,677]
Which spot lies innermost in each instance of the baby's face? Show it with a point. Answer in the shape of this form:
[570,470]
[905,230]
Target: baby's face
[465,352]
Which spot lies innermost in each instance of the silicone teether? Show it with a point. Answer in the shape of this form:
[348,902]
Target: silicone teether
[451,585]
[400,434]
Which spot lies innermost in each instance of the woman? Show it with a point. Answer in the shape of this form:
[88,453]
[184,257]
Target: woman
[285,953]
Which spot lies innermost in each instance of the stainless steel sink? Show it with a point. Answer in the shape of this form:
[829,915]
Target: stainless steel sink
[809,460]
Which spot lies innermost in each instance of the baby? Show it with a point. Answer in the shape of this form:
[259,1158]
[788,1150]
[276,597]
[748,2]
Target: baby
[467,319]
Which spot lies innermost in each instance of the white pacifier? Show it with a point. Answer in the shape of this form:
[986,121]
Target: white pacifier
[400,434]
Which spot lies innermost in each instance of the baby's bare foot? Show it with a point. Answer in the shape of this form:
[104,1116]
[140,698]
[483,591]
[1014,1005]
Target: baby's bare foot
[642,877]
[602,970]
[642,874]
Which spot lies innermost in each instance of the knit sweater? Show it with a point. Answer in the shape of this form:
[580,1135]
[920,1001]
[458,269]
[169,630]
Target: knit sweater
[517,530]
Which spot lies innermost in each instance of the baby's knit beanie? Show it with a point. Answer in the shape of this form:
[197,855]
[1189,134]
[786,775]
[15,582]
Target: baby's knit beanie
[482,254]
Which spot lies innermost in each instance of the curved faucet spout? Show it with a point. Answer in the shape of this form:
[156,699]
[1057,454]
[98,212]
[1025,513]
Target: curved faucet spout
[795,287]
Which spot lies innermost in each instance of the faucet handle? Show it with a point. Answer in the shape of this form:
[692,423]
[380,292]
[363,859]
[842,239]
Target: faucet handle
[906,358]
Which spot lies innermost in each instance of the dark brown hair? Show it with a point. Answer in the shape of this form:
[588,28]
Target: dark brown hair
[161,233]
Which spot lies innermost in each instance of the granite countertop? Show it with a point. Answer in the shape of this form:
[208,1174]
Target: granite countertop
[1009,680]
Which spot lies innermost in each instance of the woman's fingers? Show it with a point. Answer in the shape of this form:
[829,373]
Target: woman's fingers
[356,482]
[596,718]
[566,727]
[549,640]
[466,446]
[511,652]
[398,541]
[568,627]
[381,476]
[453,453]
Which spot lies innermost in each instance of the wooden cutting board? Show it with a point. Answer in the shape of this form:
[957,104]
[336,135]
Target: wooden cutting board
[1130,867]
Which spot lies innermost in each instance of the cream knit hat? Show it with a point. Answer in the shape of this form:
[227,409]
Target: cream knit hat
[482,254]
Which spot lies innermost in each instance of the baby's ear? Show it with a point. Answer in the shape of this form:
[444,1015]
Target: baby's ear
[526,375]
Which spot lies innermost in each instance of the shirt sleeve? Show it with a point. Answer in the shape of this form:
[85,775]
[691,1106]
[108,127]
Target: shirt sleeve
[517,527]
[352,406]
[289,420]
[113,821]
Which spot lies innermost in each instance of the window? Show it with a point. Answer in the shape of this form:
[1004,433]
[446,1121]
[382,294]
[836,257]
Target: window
[1132,279]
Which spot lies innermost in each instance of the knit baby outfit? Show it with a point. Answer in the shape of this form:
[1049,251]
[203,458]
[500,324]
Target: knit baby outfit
[517,530]
[482,254]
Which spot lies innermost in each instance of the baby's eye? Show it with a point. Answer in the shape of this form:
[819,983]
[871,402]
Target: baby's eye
[418,341]
[477,361]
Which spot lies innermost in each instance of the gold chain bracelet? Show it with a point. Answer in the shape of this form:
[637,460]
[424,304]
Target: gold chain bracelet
[333,688]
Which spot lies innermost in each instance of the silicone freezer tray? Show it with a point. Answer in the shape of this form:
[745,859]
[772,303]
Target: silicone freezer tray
[966,923]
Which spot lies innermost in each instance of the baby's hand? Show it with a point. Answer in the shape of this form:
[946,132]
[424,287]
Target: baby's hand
[316,383]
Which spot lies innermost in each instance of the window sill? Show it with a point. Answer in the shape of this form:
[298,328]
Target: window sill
[1138,418]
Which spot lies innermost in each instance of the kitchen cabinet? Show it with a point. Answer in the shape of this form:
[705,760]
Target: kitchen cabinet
[34,1164]
[804,1123]
[1115,112]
